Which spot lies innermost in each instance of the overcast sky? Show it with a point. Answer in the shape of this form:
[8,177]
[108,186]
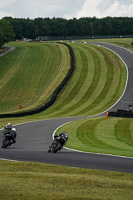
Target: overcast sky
[65,8]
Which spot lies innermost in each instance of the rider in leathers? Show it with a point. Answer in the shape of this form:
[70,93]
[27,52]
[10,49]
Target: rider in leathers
[10,131]
[64,135]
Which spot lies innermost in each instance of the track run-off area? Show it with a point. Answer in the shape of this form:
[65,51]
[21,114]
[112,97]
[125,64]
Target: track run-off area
[35,137]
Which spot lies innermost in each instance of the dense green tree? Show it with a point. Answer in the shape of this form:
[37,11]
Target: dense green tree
[1,39]
[84,26]
[6,29]
[59,27]
[42,27]
[6,32]
[72,26]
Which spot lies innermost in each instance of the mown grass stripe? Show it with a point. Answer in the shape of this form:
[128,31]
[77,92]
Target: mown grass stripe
[34,67]
[107,135]
[65,66]
[91,134]
[86,131]
[123,132]
[101,134]
[77,81]
[78,91]
[69,95]
[89,99]
[99,90]
[113,88]
[82,96]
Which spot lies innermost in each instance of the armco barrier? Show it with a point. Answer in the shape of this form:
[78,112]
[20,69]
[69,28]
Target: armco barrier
[54,95]
[121,113]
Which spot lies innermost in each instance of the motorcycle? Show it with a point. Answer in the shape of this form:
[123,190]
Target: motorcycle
[57,144]
[8,139]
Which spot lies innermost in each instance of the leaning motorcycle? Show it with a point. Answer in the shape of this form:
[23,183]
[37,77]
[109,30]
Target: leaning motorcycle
[7,139]
[57,144]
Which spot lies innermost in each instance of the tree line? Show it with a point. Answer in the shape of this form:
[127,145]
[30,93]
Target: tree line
[20,28]
[6,32]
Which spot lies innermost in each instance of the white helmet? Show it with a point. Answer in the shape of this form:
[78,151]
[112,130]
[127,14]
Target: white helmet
[9,125]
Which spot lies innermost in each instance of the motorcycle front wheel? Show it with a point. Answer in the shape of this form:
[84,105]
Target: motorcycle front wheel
[58,147]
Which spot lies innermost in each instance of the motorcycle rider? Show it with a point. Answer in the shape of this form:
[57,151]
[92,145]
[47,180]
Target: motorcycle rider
[8,128]
[11,132]
[58,142]
[63,135]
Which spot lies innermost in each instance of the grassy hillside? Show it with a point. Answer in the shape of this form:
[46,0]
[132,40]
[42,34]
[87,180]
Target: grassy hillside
[30,74]
[97,83]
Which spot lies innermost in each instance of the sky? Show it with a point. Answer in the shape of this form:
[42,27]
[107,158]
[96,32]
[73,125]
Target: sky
[67,9]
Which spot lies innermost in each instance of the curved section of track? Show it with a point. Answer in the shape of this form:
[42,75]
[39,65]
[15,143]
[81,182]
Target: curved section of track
[35,137]
[127,57]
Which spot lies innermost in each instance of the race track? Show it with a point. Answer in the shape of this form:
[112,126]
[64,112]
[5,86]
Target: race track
[34,138]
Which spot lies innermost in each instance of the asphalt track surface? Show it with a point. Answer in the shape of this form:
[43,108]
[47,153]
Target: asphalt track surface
[34,138]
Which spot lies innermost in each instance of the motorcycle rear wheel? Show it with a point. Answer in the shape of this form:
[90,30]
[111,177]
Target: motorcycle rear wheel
[5,144]
[49,150]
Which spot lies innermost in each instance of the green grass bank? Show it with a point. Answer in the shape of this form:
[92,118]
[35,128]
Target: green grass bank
[96,84]
[106,135]
[89,91]
[34,181]
[30,74]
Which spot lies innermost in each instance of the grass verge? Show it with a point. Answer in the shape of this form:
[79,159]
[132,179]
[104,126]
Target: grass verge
[34,181]
[107,135]
[28,75]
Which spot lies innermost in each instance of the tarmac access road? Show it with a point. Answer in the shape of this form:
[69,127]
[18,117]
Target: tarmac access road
[34,138]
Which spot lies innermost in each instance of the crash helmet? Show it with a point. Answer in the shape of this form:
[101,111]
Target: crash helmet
[65,134]
[9,126]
